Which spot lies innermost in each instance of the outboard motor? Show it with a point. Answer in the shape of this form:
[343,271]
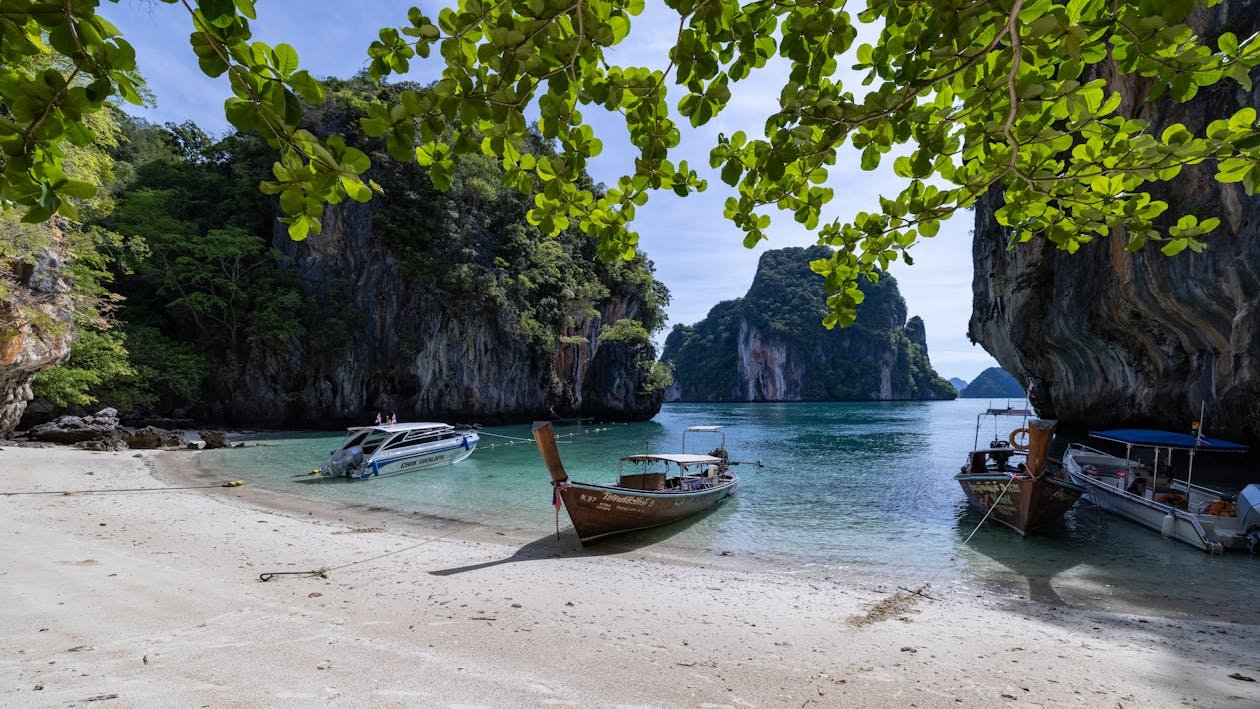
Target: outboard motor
[343,462]
[1249,515]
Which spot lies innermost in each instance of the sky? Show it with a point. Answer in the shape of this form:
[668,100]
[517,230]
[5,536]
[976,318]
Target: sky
[697,253]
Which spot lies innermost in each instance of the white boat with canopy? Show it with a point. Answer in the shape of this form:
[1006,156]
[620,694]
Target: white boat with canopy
[1149,495]
[390,449]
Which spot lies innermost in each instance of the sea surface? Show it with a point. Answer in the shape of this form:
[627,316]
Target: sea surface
[826,489]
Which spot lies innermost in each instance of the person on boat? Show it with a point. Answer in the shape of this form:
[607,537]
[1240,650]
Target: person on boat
[393,418]
[378,418]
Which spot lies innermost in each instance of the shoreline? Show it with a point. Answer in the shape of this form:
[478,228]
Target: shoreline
[154,597]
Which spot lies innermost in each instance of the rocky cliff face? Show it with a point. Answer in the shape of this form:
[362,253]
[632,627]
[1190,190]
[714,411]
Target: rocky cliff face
[404,347]
[35,321]
[771,345]
[1107,338]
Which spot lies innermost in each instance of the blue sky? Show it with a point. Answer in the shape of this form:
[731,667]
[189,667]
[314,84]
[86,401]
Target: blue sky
[698,254]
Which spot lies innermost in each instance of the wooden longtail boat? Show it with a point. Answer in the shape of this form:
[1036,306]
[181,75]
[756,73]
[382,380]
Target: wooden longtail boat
[656,490]
[1011,483]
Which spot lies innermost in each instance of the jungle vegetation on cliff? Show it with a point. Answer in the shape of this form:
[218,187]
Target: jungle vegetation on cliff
[207,298]
[770,344]
[983,94]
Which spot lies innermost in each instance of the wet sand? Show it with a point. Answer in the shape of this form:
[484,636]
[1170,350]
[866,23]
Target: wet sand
[154,599]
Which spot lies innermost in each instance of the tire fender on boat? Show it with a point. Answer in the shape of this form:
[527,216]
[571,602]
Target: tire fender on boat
[1013,439]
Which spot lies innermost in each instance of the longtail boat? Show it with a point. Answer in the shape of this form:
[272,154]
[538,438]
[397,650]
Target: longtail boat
[652,489]
[1010,481]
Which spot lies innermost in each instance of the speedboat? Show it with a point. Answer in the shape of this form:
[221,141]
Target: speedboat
[1178,509]
[652,489]
[1010,480]
[395,448]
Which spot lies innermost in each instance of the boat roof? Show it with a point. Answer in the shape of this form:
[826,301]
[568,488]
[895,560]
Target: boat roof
[679,458]
[413,426]
[1167,439]
[1009,412]
[704,429]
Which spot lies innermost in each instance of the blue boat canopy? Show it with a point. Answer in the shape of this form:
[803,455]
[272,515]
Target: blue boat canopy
[1167,439]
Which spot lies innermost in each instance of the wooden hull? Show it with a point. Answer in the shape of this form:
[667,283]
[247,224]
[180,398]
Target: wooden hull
[1026,504]
[598,511]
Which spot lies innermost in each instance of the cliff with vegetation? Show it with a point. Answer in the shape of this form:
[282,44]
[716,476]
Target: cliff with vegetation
[992,383]
[35,312]
[1108,338]
[770,345]
[427,304]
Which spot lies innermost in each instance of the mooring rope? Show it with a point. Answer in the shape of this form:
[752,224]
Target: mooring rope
[226,483]
[323,571]
[953,557]
[512,440]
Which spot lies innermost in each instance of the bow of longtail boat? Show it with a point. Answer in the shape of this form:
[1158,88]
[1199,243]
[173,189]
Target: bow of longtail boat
[1014,487]
[659,489]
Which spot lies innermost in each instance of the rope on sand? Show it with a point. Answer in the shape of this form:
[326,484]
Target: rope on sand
[323,571]
[226,483]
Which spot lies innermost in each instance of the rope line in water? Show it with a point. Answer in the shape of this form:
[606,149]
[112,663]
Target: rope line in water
[954,557]
[513,440]
[226,483]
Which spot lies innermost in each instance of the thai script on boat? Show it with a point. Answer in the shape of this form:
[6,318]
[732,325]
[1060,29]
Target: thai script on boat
[626,499]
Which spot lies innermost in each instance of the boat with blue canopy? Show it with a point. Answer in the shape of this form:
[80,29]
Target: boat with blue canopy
[1149,495]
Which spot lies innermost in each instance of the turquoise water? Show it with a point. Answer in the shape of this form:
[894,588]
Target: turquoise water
[846,488]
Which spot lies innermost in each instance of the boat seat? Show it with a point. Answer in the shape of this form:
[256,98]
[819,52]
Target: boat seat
[646,481]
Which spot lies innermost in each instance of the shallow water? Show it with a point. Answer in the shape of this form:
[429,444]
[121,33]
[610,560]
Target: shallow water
[846,488]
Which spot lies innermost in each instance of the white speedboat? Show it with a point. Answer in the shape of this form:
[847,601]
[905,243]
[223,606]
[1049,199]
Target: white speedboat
[1178,509]
[391,449]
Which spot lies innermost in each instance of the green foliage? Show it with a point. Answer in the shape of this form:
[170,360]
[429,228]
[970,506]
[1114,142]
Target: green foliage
[98,358]
[660,376]
[972,94]
[625,331]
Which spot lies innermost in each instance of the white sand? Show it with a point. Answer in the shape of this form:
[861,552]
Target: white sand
[155,598]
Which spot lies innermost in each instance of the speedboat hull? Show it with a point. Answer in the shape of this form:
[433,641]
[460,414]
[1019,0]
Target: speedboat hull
[393,449]
[418,460]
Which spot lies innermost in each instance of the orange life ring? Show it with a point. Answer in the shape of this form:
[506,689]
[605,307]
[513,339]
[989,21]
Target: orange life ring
[1014,435]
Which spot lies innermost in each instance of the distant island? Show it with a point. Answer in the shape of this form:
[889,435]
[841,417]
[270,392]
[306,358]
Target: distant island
[993,382]
[959,384]
[771,345]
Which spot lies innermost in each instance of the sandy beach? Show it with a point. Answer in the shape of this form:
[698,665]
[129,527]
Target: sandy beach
[154,599]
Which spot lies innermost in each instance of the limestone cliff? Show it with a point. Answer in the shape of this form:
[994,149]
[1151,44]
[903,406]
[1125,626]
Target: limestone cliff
[1108,338]
[771,345]
[403,342]
[35,315]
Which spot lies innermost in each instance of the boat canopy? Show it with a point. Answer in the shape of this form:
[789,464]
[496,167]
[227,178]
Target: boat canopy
[396,427]
[677,458]
[1009,412]
[1167,439]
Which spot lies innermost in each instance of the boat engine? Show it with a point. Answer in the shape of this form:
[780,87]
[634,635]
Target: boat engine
[342,462]
[1249,515]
